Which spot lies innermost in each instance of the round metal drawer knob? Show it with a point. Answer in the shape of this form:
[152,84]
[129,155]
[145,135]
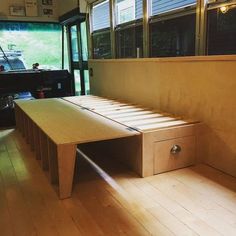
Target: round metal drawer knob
[175,149]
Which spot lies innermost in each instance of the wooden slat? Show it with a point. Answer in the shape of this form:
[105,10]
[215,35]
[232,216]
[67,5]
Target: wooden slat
[138,117]
[161,125]
[135,113]
[148,121]
[121,111]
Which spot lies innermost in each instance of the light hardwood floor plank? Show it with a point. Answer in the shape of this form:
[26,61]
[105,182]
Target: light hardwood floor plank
[197,200]
[21,221]
[180,221]
[5,219]
[112,218]
[221,195]
[193,203]
[41,197]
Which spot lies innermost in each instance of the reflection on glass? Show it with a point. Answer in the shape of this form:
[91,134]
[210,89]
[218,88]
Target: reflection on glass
[102,45]
[77,82]
[74,43]
[84,41]
[173,37]
[86,80]
[101,16]
[128,10]
[221,32]
[164,6]
[129,42]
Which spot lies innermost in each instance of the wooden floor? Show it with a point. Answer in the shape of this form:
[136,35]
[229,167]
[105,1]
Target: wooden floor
[191,201]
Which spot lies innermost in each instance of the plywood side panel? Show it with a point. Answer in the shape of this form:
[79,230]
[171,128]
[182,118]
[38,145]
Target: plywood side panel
[199,89]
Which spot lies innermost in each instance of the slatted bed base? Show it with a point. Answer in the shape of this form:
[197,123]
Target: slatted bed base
[149,141]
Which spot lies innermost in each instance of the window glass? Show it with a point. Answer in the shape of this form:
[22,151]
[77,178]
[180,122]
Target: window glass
[101,45]
[101,16]
[129,42]
[128,10]
[84,41]
[77,82]
[221,32]
[74,43]
[86,80]
[27,43]
[173,37]
[163,6]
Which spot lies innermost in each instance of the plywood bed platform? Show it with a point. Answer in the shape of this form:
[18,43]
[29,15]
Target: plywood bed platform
[153,142]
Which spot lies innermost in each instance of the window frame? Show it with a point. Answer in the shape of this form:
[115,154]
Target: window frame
[200,9]
[91,14]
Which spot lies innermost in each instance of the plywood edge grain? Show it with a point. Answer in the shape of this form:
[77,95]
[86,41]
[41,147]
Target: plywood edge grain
[168,59]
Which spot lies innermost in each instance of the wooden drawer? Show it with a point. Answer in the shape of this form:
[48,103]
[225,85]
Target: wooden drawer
[165,160]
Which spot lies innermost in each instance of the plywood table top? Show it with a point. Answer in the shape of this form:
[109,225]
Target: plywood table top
[66,123]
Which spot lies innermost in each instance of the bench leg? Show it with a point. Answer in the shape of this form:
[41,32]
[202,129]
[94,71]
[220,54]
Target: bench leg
[36,138]
[53,165]
[43,140]
[66,155]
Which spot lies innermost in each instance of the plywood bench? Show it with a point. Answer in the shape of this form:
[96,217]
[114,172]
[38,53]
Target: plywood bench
[167,142]
[54,128]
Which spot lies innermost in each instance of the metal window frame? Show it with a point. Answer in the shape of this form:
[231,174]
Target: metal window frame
[200,9]
[146,45]
[218,4]
[201,23]
[173,14]
[112,28]
[89,32]
[128,24]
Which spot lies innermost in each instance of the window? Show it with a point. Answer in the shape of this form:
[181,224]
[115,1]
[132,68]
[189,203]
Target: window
[77,78]
[101,16]
[129,30]
[172,28]
[74,43]
[84,41]
[164,6]
[100,30]
[129,42]
[65,49]
[102,45]
[28,43]
[221,31]
[174,37]
[128,10]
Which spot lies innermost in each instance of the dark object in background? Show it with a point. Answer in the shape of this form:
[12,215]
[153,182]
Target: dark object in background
[53,83]
[221,32]
[35,66]
[7,116]
[2,68]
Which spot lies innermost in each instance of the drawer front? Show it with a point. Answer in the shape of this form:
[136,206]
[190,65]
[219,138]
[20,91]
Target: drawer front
[173,154]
